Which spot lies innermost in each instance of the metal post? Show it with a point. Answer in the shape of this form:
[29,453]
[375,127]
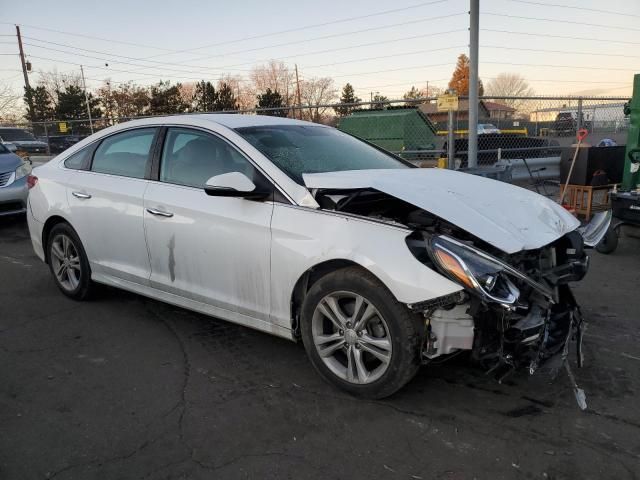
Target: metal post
[474,28]
[86,99]
[46,134]
[579,115]
[451,146]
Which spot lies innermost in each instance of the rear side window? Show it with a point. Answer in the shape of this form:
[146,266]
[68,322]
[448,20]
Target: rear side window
[78,159]
[124,154]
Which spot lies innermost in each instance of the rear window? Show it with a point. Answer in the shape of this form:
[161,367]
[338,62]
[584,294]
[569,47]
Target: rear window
[124,154]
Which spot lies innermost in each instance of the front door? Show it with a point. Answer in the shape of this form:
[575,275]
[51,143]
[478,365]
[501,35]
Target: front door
[214,250]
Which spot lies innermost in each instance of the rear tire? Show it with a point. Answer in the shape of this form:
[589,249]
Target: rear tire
[609,242]
[358,336]
[68,262]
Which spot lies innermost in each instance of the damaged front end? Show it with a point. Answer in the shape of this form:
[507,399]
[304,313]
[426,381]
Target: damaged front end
[518,312]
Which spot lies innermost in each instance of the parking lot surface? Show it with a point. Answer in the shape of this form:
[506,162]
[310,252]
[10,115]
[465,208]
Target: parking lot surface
[125,387]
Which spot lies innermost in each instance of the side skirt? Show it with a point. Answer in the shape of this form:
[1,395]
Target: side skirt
[228,315]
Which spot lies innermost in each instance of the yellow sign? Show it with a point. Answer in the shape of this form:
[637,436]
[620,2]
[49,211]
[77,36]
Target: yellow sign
[447,102]
[62,126]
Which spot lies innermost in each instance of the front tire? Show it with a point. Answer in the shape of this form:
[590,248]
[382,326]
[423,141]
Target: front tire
[68,262]
[358,336]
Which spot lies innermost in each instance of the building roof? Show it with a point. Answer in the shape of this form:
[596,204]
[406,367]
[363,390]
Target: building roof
[463,106]
[497,107]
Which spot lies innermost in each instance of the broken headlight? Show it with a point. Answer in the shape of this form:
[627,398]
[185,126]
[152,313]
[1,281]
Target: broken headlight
[480,272]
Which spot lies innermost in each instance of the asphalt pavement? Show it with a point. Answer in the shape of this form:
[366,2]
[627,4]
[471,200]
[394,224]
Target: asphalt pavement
[123,387]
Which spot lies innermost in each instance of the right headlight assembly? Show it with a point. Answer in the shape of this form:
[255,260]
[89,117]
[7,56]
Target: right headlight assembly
[478,271]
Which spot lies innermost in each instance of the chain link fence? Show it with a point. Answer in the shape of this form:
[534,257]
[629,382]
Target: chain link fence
[529,133]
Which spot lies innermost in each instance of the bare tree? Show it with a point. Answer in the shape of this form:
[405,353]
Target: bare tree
[244,94]
[55,82]
[9,103]
[509,85]
[316,92]
[275,76]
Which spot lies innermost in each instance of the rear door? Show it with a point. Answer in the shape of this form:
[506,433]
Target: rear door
[215,250]
[106,202]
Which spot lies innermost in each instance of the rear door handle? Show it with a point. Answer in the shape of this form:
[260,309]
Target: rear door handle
[159,213]
[81,195]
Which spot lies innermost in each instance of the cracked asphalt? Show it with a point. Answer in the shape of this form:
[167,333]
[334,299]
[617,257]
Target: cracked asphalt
[123,387]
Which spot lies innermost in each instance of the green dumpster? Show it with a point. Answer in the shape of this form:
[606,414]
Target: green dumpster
[396,130]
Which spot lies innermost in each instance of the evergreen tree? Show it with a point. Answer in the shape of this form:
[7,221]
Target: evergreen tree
[226,99]
[72,105]
[42,105]
[270,99]
[379,102]
[204,97]
[166,99]
[348,96]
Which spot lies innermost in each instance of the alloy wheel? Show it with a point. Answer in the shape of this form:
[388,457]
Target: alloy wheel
[65,262]
[351,337]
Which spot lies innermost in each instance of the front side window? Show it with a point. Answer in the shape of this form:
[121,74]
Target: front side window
[124,154]
[298,149]
[191,157]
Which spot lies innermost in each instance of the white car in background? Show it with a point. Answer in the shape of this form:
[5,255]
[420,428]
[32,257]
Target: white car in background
[486,128]
[305,232]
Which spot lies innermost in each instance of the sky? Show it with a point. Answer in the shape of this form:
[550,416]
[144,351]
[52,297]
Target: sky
[585,47]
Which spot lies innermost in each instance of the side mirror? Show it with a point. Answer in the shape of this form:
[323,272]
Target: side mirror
[234,184]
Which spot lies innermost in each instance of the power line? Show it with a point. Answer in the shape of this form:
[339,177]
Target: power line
[571,52]
[394,70]
[302,28]
[412,37]
[591,39]
[307,27]
[117,70]
[604,69]
[108,53]
[394,55]
[110,40]
[573,7]
[109,60]
[324,37]
[617,27]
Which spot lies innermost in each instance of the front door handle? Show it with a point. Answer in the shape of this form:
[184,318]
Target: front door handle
[159,213]
[81,195]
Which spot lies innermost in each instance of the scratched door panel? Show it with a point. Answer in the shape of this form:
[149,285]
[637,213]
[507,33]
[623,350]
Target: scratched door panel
[213,250]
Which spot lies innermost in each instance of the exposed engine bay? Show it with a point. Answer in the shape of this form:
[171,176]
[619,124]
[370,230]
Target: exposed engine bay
[516,311]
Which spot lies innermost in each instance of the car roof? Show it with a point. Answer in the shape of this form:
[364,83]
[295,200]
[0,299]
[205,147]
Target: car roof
[231,120]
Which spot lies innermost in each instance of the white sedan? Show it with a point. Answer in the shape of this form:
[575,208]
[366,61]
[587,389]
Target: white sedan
[308,233]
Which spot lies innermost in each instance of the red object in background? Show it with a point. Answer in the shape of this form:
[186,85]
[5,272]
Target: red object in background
[32,180]
[582,134]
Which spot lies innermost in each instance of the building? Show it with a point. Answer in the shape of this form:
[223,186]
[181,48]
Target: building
[498,111]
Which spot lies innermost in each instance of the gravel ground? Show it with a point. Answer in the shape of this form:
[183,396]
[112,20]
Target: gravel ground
[126,387]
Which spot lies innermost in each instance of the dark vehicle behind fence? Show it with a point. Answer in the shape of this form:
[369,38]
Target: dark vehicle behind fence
[23,140]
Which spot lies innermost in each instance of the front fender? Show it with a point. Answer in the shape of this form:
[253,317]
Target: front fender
[303,237]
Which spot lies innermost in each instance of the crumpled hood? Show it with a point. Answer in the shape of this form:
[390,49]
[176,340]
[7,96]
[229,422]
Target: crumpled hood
[508,217]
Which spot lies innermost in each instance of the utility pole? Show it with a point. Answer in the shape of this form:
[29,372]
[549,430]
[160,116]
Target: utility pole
[474,29]
[86,99]
[298,94]
[27,87]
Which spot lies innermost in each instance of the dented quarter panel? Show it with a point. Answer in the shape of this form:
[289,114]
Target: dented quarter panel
[303,237]
[508,217]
